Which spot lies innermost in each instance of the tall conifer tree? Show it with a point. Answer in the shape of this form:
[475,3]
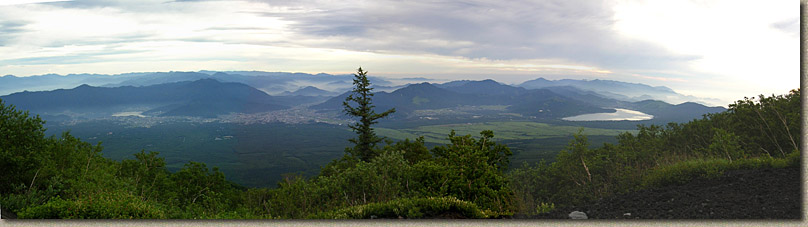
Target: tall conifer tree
[365,143]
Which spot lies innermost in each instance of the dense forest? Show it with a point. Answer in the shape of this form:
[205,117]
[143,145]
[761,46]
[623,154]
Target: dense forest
[64,177]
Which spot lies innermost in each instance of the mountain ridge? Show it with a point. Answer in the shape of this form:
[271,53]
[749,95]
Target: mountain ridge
[209,97]
[182,96]
[623,91]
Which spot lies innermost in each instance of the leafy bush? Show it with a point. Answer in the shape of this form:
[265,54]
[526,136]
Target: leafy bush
[114,205]
[21,147]
[726,144]
[240,213]
[545,208]
[470,170]
[27,197]
[683,172]
[531,185]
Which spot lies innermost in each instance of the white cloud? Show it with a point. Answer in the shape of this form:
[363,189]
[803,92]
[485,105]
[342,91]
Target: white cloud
[741,46]
[22,2]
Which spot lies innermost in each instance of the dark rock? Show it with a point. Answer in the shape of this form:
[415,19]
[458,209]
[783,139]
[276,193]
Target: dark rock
[6,214]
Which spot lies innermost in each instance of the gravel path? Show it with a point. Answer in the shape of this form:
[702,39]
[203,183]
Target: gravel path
[738,194]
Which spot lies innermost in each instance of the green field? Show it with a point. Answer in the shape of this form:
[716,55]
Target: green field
[502,131]
[530,142]
[533,151]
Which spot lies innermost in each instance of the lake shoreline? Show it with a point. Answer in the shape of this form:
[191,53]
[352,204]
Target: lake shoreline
[618,115]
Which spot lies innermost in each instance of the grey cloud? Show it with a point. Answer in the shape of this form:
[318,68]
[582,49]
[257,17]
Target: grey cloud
[85,3]
[577,30]
[235,28]
[9,31]
[66,59]
[69,59]
[106,40]
[127,5]
[791,26]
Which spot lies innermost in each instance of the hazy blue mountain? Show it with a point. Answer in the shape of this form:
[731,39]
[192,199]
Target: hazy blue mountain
[484,87]
[542,103]
[409,98]
[380,88]
[201,98]
[590,97]
[309,91]
[270,82]
[622,91]
[665,112]
[453,83]
[538,103]
[161,78]
[596,85]
[420,96]
[171,94]
[548,104]
[10,84]
[276,83]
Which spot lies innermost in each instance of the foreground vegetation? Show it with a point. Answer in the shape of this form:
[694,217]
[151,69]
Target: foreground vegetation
[64,177]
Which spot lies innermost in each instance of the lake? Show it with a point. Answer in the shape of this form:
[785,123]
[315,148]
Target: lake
[128,114]
[620,115]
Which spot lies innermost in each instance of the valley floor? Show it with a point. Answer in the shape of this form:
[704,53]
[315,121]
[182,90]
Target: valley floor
[738,194]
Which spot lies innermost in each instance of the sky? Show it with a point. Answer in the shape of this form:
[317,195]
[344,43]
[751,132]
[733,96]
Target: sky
[724,50]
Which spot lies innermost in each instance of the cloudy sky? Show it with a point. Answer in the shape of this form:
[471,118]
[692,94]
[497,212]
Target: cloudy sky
[718,49]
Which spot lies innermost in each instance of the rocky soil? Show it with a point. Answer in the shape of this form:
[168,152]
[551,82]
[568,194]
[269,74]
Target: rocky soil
[738,194]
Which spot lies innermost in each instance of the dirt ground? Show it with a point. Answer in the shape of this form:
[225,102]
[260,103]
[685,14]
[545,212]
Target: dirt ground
[738,194]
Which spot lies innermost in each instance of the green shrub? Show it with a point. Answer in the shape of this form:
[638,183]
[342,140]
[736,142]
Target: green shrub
[545,208]
[793,159]
[409,208]
[530,184]
[683,172]
[726,145]
[27,197]
[115,205]
[240,213]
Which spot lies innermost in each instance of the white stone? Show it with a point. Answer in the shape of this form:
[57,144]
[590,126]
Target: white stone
[578,215]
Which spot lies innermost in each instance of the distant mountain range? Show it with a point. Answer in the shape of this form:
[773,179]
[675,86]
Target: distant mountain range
[273,83]
[201,98]
[547,102]
[479,93]
[309,91]
[619,90]
[209,94]
[284,83]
